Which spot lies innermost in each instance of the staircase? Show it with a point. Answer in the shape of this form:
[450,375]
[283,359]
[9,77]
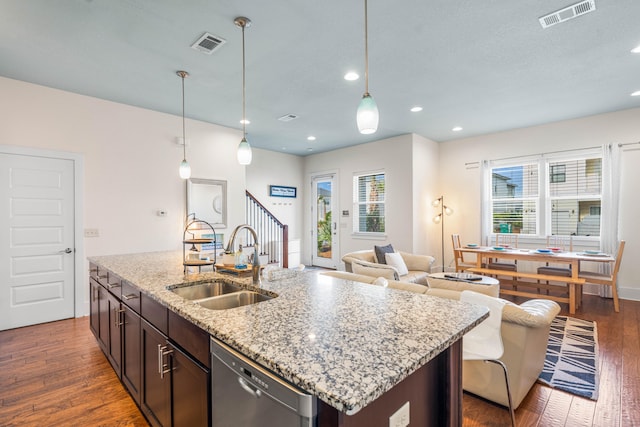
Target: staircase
[273,235]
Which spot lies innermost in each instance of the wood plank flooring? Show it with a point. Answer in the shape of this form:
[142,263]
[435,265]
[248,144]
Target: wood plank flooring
[55,375]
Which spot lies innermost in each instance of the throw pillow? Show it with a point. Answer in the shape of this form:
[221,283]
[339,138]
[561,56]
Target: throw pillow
[395,260]
[381,250]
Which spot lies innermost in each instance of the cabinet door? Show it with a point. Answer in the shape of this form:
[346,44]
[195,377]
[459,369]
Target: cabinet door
[94,308]
[114,348]
[190,391]
[156,382]
[103,322]
[131,354]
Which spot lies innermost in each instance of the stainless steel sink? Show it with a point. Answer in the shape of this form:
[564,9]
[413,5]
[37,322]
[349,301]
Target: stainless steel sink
[233,300]
[205,290]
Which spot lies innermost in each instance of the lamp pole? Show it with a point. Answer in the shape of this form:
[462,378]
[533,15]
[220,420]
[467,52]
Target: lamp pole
[439,219]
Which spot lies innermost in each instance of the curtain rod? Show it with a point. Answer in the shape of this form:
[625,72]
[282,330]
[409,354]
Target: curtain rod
[550,152]
[628,143]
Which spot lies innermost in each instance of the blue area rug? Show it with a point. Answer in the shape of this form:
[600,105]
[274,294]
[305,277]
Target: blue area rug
[571,363]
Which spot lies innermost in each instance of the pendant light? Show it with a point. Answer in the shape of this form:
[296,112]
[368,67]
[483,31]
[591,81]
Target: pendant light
[244,149]
[367,116]
[185,169]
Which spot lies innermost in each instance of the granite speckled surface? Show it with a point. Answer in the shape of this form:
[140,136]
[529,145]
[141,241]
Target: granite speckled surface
[345,342]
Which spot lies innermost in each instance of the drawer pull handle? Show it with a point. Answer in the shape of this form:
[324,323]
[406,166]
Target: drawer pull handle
[130,296]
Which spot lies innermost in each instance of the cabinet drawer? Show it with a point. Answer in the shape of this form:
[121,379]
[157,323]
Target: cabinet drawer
[113,284]
[131,296]
[93,271]
[155,313]
[190,337]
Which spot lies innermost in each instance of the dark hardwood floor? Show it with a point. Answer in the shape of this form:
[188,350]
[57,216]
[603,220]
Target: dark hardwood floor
[55,375]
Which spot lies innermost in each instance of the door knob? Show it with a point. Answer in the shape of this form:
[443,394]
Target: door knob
[65,251]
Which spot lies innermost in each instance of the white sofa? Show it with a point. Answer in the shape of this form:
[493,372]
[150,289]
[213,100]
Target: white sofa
[364,262]
[525,332]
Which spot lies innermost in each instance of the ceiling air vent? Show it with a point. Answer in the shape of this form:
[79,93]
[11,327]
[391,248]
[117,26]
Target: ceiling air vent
[568,13]
[207,43]
[287,117]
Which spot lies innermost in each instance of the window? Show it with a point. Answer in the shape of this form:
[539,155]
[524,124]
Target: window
[550,194]
[368,203]
[558,174]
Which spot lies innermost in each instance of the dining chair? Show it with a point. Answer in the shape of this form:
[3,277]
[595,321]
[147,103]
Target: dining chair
[484,342]
[458,255]
[506,240]
[607,279]
[563,243]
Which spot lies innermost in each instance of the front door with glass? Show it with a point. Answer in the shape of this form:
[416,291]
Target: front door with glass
[324,225]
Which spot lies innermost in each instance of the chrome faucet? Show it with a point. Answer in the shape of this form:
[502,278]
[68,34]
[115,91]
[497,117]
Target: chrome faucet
[255,267]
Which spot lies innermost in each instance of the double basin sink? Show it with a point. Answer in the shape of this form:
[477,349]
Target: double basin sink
[219,295]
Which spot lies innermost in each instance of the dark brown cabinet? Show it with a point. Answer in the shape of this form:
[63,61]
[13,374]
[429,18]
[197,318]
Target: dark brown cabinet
[131,352]
[150,349]
[175,388]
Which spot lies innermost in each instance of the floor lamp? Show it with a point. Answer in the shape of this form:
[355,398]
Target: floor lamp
[439,219]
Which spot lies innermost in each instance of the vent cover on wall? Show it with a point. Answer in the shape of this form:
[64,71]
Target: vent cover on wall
[207,43]
[568,13]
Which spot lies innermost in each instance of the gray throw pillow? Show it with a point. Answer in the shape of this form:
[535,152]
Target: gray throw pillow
[381,250]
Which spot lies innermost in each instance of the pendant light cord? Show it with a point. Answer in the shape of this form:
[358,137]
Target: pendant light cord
[244,117]
[184,140]
[366,51]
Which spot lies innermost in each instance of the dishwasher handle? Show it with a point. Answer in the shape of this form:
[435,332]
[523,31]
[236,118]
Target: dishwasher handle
[254,391]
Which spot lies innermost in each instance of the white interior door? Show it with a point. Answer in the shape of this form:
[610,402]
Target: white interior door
[37,255]
[324,249]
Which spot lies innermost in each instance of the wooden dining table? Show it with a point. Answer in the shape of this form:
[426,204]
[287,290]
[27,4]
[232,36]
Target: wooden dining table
[533,279]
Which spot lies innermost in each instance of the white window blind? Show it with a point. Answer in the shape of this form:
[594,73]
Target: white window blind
[549,194]
[369,203]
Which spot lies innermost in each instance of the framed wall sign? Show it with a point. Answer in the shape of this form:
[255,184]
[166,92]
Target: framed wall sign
[207,199]
[282,191]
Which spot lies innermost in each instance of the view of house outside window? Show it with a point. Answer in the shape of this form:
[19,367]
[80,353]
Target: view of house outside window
[547,196]
[369,203]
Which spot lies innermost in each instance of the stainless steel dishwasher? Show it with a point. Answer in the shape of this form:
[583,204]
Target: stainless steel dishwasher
[244,394]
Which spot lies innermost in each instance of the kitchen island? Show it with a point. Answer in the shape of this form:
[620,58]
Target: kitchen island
[362,350]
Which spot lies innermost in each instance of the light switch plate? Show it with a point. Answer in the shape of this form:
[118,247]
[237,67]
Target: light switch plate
[91,232]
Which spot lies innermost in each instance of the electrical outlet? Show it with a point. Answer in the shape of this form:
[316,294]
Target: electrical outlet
[91,232]
[401,417]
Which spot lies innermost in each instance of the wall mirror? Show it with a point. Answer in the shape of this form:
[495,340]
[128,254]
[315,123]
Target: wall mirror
[207,199]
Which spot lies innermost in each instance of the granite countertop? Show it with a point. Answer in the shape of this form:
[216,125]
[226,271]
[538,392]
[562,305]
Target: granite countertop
[345,342]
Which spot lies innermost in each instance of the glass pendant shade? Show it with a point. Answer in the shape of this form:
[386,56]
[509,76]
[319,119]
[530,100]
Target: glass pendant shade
[367,116]
[244,152]
[185,169]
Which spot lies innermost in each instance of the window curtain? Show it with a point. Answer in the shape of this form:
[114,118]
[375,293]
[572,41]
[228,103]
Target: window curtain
[485,216]
[610,207]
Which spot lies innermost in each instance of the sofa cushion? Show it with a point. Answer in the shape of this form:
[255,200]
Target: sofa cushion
[417,262]
[371,269]
[395,260]
[381,250]
[453,285]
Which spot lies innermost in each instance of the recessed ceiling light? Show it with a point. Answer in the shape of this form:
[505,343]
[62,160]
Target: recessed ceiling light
[309,149]
[311,138]
[351,76]
[457,129]
[245,121]
[416,109]
[636,49]
[636,93]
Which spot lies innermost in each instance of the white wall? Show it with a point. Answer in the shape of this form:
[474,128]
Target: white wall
[394,156]
[461,178]
[131,164]
[426,188]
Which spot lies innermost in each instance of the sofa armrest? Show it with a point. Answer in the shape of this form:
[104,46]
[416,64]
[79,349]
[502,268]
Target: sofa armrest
[534,313]
[417,262]
[373,269]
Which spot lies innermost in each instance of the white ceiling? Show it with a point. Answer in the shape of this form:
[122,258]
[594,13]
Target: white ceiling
[484,65]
